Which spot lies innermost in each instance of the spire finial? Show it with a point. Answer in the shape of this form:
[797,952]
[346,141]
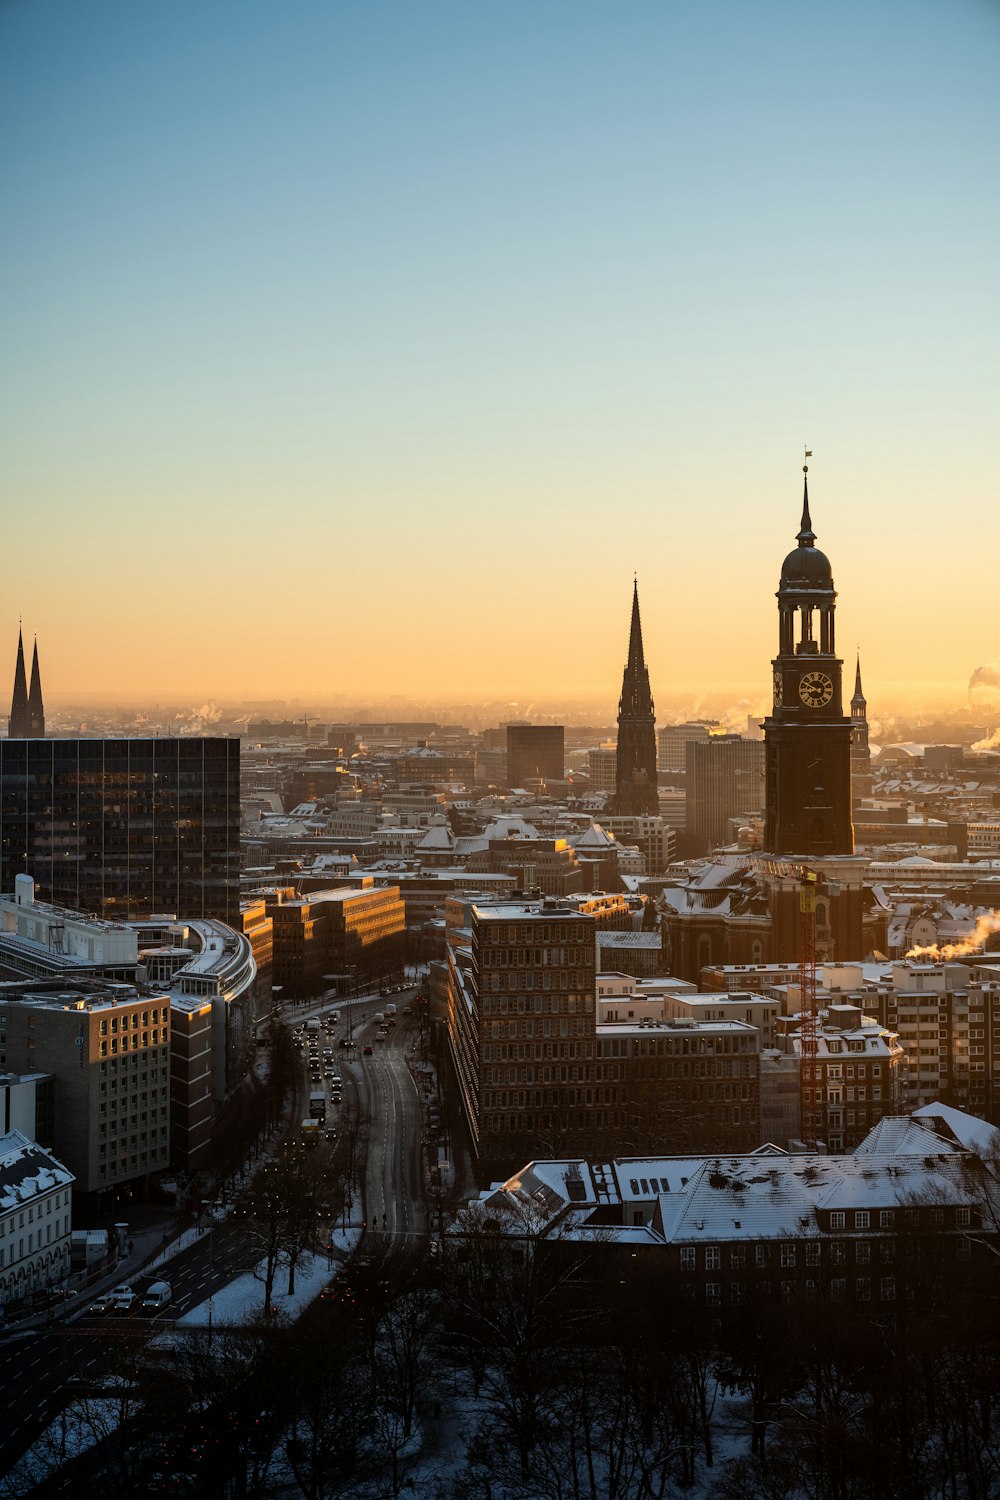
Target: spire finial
[806,534]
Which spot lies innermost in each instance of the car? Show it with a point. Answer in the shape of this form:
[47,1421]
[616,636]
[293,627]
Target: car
[345,1042]
[392,1020]
[101,1306]
[407,1010]
[331,1135]
[123,1298]
[368,1051]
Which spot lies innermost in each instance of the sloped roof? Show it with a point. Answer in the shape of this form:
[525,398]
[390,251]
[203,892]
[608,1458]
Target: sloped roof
[26,1170]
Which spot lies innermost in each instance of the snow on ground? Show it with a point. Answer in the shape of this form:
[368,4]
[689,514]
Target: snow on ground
[244,1297]
[78,1428]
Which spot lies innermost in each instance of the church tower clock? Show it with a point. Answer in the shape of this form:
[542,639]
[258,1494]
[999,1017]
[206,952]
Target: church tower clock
[807,738]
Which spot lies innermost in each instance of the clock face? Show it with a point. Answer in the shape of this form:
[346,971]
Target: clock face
[777,690]
[815,689]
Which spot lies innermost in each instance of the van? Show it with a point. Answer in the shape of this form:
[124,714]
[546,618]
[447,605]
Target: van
[335,1017]
[379,1018]
[313,1025]
[390,1010]
[158,1296]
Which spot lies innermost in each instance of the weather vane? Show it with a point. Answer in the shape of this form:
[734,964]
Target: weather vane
[808,453]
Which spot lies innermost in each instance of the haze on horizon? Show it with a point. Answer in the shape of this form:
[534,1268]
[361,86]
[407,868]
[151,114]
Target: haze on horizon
[359,350]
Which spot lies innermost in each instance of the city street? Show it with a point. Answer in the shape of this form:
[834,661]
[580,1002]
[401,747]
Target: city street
[393,1183]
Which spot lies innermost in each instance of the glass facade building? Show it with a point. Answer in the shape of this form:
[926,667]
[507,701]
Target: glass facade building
[124,827]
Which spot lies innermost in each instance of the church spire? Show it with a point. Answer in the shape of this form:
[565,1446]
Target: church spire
[36,708]
[636,659]
[806,536]
[859,696]
[635,776]
[18,728]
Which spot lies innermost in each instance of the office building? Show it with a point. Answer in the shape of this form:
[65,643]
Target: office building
[673,740]
[535,752]
[725,781]
[602,768]
[206,971]
[124,828]
[109,1050]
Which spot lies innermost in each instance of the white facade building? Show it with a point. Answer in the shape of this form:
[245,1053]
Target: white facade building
[35,1218]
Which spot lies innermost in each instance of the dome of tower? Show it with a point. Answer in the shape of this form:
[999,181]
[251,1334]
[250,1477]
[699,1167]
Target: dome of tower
[806,565]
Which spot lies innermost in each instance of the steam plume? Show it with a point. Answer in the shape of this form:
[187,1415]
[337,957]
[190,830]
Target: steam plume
[973,942]
[985,677]
[992,743]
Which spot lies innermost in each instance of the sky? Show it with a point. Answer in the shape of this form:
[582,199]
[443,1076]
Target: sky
[372,347]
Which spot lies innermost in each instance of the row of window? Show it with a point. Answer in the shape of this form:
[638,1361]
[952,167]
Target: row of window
[863,1286]
[34,1211]
[137,1019]
[34,1241]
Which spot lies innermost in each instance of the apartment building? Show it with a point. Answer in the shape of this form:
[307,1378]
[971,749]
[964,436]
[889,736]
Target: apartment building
[36,1219]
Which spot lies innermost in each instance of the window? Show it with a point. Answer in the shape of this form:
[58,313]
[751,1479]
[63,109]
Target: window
[862,1219]
[862,1253]
[838,1253]
[812,1255]
[713,1258]
[885,1218]
[788,1255]
[737,1257]
[863,1289]
[837,1220]
[763,1255]
[838,1289]
[963,1218]
[887,1289]
[688,1254]
[713,1293]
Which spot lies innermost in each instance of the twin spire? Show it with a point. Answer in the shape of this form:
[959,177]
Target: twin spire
[27,710]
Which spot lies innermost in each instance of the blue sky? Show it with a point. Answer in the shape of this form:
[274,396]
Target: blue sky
[461,313]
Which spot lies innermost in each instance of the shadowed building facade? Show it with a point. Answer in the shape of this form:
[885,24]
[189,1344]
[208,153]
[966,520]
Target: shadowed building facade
[124,827]
[535,752]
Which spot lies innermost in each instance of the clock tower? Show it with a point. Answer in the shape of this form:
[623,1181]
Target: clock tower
[807,738]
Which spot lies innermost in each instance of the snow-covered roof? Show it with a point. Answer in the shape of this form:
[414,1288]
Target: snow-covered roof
[27,1170]
[971,1133]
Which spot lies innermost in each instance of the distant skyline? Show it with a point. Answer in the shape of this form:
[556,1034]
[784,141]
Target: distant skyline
[358,349]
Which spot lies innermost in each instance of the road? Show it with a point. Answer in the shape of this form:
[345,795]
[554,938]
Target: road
[394,1178]
[38,1370]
